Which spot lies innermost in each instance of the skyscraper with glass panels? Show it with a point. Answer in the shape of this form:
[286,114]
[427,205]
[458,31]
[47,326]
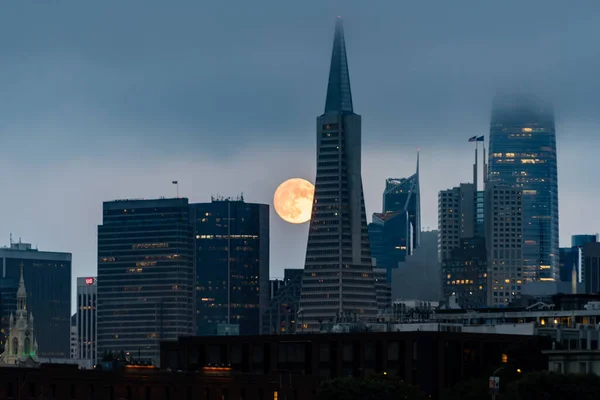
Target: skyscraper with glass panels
[523,155]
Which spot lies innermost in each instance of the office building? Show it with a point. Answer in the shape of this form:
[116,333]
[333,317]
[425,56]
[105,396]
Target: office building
[522,155]
[390,236]
[8,306]
[457,216]
[145,276]
[86,317]
[338,273]
[464,273]
[48,277]
[504,243]
[281,315]
[577,242]
[404,194]
[383,290]
[231,253]
[419,277]
[74,353]
[591,266]
[569,263]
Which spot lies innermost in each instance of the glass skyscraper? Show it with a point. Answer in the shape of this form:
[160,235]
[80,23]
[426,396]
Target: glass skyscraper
[231,252]
[522,155]
[145,276]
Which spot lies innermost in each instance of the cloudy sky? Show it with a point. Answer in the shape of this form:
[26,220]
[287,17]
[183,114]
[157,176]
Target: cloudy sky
[115,99]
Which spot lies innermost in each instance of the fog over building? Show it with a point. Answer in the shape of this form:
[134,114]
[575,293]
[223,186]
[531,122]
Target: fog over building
[522,155]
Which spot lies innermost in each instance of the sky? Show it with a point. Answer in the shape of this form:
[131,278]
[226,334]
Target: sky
[116,99]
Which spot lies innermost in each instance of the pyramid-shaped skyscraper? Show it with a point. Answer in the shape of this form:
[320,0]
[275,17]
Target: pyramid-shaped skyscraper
[338,281]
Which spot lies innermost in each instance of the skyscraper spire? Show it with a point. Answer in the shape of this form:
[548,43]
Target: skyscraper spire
[417,173]
[339,95]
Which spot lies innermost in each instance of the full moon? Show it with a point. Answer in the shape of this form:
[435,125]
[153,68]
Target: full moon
[293,200]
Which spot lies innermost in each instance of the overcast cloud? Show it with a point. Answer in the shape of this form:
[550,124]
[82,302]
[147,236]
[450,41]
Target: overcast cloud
[115,99]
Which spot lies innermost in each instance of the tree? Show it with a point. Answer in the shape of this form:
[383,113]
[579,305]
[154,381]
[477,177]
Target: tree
[472,389]
[377,387]
[553,386]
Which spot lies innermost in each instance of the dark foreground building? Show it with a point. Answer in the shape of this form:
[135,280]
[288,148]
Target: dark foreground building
[432,360]
[288,367]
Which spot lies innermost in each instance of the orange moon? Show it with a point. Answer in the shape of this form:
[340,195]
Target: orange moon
[293,200]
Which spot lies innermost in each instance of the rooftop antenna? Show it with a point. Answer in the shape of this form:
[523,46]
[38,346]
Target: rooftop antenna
[11,242]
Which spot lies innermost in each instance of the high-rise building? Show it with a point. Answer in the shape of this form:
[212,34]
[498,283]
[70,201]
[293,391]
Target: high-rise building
[8,306]
[404,194]
[48,277]
[85,320]
[390,236]
[419,277]
[577,242]
[338,273]
[457,217]
[281,315]
[591,265]
[396,232]
[383,290]
[231,252]
[145,276]
[504,243]
[522,155]
[569,262]
[464,274]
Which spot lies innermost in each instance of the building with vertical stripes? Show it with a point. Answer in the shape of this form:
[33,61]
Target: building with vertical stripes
[338,273]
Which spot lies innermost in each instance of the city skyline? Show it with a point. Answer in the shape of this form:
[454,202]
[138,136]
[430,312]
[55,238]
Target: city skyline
[76,158]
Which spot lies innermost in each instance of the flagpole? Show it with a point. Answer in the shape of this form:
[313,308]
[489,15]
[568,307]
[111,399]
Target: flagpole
[475,165]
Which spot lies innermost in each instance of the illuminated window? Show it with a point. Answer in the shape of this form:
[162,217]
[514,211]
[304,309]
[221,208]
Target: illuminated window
[504,358]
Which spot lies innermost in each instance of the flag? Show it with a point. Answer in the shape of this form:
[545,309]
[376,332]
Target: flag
[174,182]
[476,139]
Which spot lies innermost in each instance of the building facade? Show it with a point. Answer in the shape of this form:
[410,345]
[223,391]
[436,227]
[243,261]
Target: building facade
[464,274]
[569,264]
[419,277]
[591,266]
[48,277]
[8,305]
[231,253]
[504,243]
[390,239]
[145,276]
[577,242]
[456,217]
[383,290]
[338,273]
[405,194]
[281,315]
[86,320]
[523,155]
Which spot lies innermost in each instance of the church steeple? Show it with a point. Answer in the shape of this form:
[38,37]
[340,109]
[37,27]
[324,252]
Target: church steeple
[339,95]
[21,294]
